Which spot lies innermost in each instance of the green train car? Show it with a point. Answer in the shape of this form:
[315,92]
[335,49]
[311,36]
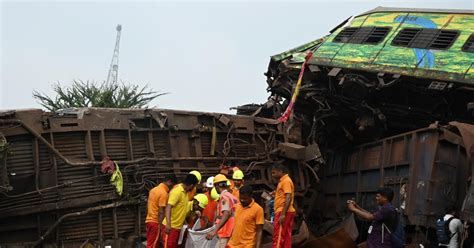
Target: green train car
[383,72]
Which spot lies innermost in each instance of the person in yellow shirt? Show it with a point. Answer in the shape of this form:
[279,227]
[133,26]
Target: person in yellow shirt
[176,211]
[156,204]
[238,182]
[284,209]
[248,229]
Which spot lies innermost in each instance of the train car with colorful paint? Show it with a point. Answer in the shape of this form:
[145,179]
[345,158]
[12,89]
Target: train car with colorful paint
[435,44]
[383,72]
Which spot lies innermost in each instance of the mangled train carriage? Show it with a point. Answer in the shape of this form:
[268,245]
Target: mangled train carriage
[366,93]
[53,192]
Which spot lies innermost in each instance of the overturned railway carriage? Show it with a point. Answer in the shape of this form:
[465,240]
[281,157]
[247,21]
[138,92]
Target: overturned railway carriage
[381,73]
[366,88]
[428,169]
[52,190]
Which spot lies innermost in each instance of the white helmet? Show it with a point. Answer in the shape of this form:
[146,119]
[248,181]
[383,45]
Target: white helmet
[210,182]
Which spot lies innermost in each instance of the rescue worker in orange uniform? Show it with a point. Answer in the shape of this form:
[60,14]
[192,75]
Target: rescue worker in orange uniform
[176,211]
[284,207]
[209,212]
[156,204]
[196,208]
[250,219]
[238,182]
[225,212]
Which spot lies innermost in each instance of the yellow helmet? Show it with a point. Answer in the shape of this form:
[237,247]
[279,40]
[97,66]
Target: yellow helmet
[214,195]
[228,183]
[238,175]
[197,174]
[219,178]
[202,199]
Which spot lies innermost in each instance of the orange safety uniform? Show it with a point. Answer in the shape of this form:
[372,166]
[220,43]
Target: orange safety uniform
[157,197]
[245,230]
[285,186]
[209,212]
[282,233]
[235,190]
[236,193]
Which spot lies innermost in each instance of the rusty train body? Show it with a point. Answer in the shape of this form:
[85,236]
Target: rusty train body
[53,193]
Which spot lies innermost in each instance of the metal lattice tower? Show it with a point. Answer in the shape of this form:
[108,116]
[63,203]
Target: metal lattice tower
[113,71]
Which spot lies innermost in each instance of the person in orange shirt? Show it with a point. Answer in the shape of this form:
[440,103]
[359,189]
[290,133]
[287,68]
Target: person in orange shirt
[225,212]
[237,182]
[157,199]
[197,206]
[284,209]
[248,230]
[209,212]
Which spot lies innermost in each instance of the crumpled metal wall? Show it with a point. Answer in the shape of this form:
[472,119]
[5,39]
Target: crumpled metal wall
[59,195]
[428,170]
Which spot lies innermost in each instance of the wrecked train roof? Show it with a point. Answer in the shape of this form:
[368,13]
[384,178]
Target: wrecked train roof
[383,72]
[417,10]
[428,43]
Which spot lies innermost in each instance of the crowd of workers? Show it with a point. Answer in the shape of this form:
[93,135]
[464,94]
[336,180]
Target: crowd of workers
[225,209]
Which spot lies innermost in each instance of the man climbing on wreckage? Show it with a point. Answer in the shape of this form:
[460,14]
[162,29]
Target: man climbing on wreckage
[378,236]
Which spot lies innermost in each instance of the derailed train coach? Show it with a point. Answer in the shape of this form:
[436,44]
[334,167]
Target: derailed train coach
[386,100]
[388,97]
[55,191]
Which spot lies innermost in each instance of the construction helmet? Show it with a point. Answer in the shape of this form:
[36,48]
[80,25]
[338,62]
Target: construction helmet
[197,174]
[220,178]
[228,183]
[238,175]
[214,195]
[210,182]
[202,199]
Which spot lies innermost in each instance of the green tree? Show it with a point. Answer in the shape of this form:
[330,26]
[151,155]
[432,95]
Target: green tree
[91,94]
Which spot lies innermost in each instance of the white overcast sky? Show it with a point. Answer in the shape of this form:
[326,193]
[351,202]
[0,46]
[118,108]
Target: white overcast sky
[208,55]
